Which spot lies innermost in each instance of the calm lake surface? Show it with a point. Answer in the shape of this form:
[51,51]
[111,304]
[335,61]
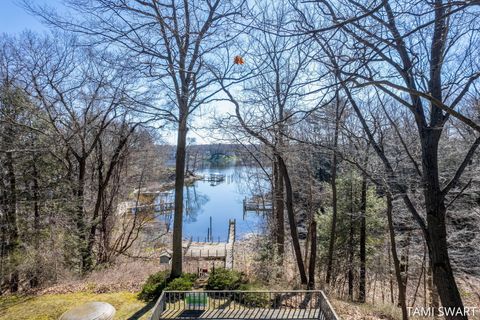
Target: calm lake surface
[220,202]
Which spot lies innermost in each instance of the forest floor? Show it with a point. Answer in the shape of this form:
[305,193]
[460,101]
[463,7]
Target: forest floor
[367,311]
[469,289]
[52,306]
[118,285]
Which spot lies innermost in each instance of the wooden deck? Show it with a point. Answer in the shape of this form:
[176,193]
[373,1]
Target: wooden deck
[282,305]
[254,313]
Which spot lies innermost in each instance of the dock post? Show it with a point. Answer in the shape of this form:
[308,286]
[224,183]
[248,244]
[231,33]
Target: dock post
[211,234]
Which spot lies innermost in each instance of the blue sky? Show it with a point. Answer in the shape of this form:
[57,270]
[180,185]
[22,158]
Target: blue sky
[14,19]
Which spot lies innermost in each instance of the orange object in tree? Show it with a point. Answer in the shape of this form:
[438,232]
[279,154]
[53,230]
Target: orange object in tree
[238,60]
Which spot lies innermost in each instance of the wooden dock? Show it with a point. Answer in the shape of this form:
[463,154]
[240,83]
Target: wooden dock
[214,177]
[163,207]
[230,245]
[206,250]
[213,250]
[257,205]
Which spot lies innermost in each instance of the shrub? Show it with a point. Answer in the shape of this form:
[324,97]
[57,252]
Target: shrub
[184,283]
[154,286]
[224,279]
[160,281]
[254,299]
[190,276]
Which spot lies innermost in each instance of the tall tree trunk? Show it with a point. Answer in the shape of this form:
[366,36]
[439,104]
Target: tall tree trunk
[432,291]
[404,260]
[390,275]
[333,228]
[307,245]
[363,238]
[279,211]
[103,205]
[98,202]
[3,235]
[11,214]
[3,254]
[313,254]
[417,288]
[434,197]
[350,260]
[85,262]
[179,184]
[34,281]
[280,197]
[291,220]
[396,261]
[350,245]
[443,276]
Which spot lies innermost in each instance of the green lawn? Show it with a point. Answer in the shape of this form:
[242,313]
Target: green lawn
[51,306]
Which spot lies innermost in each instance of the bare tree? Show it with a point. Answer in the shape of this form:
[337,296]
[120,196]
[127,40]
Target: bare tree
[387,57]
[275,81]
[339,110]
[171,42]
[82,99]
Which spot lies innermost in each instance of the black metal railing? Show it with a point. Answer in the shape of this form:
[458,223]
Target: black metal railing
[297,304]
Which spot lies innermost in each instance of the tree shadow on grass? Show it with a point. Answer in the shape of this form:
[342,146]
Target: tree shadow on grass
[8,302]
[140,313]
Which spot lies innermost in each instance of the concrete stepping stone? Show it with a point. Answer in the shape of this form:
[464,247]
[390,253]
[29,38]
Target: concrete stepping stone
[90,311]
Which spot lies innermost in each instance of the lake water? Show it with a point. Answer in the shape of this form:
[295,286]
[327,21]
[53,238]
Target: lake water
[221,202]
